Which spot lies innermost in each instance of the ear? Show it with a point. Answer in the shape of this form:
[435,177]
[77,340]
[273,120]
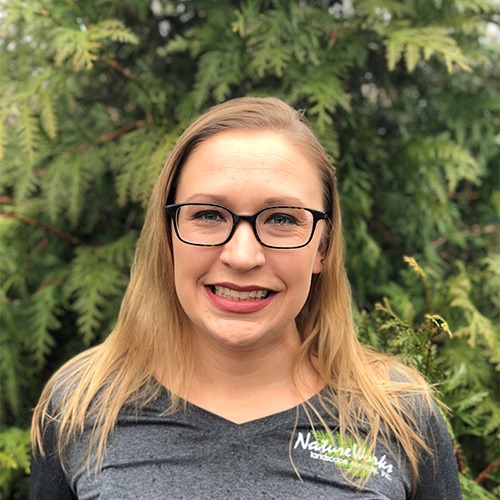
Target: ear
[319,259]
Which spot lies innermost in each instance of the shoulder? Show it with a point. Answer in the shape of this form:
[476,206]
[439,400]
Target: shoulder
[399,381]
[438,469]
[413,399]
[48,478]
[58,390]
[388,368]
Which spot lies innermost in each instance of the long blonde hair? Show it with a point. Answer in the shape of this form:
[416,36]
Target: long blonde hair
[151,334]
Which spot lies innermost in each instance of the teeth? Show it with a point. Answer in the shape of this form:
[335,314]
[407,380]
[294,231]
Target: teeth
[235,295]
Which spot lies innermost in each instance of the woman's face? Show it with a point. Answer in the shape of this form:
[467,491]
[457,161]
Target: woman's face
[242,295]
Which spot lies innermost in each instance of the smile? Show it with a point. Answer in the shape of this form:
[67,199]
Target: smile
[237,295]
[236,299]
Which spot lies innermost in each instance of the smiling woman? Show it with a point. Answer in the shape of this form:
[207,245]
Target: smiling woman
[234,370]
[264,166]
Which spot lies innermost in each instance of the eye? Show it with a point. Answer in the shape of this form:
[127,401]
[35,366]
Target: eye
[209,216]
[281,219]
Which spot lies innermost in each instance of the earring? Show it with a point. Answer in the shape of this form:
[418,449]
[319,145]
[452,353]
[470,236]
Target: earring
[322,261]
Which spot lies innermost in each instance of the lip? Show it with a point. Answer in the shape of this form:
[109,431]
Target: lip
[238,306]
[240,288]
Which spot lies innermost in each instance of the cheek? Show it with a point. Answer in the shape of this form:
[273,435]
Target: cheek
[189,263]
[297,270]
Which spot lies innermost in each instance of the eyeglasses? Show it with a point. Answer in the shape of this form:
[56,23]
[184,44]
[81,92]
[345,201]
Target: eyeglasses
[209,224]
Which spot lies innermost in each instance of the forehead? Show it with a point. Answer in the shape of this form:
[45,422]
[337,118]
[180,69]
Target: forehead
[256,165]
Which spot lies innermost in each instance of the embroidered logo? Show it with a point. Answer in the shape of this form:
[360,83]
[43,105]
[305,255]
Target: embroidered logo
[352,455]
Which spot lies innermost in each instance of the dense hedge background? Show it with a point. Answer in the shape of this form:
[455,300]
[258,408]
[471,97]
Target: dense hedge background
[404,94]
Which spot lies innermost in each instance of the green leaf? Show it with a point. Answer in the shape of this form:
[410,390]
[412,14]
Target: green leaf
[478,327]
[43,313]
[93,283]
[138,163]
[15,449]
[428,40]
[28,133]
[83,44]
[112,29]
[11,364]
[47,115]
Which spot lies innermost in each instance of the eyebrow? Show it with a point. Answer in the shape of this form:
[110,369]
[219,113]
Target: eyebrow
[202,197]
[223,200]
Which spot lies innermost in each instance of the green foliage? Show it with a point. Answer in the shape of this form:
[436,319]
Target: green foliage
[408,326]
[14,459]
[404,95]
[82,44]
[423,41]
[93,282]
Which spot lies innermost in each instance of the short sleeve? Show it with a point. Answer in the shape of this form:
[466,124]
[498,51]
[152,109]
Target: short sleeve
[438,474]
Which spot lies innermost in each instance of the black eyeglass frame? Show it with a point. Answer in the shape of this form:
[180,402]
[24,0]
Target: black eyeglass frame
[172,211]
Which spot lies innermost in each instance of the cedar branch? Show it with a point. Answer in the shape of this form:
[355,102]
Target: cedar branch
[116,66]
[484,474]
[457,451]
[35,223]
[122,130]
[113,135]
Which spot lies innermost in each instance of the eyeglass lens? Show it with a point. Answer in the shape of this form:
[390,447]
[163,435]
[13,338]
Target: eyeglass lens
[276,226]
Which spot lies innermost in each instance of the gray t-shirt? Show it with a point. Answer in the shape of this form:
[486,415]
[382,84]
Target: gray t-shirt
[199,455]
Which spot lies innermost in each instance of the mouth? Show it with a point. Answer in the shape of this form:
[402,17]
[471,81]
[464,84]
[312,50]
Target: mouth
[240,295]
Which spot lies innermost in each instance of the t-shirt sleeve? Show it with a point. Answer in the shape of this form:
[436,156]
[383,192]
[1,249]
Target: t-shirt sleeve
[48,480]
[438,474]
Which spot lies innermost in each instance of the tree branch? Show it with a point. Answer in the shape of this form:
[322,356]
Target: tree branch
[113,135]
[116,66]
[484,474]
[53,230]
[122,130]
[462,468]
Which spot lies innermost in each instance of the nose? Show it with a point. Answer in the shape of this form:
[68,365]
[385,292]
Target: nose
[243,251]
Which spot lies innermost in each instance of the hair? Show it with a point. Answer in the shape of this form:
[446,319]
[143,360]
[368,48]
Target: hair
[151,336]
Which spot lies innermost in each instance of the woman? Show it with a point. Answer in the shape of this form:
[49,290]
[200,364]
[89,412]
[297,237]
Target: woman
[234,370]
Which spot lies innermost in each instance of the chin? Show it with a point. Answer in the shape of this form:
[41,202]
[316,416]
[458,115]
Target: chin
[242,342]
[244,337]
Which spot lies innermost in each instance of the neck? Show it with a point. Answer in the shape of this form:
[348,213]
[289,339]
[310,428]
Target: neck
[242,385]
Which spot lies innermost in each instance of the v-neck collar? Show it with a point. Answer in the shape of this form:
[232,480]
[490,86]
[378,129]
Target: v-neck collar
[212,422]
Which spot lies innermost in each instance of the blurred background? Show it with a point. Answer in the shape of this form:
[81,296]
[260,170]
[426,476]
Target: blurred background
[403,94]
